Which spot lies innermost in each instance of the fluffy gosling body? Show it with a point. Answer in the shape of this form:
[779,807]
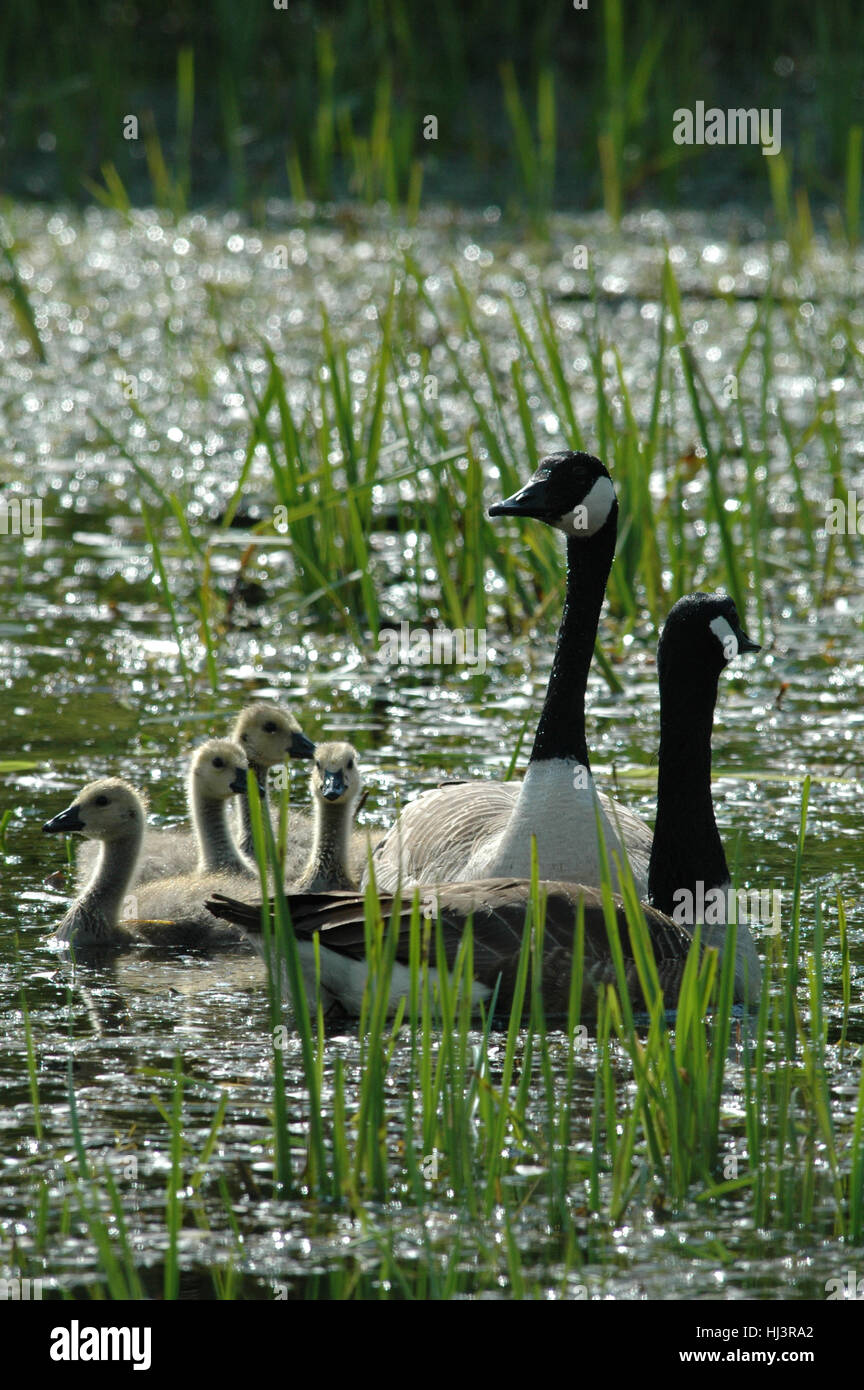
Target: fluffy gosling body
[106,915]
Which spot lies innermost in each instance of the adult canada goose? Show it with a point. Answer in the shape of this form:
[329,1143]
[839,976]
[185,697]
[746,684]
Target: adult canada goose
[702,634]
[484,829]
[166,913]
[335,784]
[268,734]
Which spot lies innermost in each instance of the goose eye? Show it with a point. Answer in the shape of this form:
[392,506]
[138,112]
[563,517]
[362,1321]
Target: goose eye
[350,763]
[270,727]
[102,801]
[218,762]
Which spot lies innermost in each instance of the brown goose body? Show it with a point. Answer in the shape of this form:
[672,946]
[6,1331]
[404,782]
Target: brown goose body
[498,909]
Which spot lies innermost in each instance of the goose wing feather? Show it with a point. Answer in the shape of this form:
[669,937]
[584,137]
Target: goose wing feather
[436,835]
[498,910]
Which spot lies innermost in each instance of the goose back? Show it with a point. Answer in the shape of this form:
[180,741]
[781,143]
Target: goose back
[498,910]
[449,832]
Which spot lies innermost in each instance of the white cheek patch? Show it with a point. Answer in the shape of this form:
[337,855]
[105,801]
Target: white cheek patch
[725,636]
[592,513]
[573,523]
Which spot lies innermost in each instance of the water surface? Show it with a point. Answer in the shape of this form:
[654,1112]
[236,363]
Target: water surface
[148,328]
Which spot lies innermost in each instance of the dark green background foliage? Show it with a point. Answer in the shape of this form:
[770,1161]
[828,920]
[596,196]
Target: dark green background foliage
[239,101]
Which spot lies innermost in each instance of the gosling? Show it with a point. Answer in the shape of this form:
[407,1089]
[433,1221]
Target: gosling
[169,912]
[268,734]
[335,785]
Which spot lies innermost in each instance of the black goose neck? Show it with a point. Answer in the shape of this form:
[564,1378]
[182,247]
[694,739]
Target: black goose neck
[561,728]
[687,849]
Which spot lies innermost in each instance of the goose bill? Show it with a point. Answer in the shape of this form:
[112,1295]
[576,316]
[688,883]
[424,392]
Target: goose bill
[65,822]
[745,643]
[531,500]
[301,746]
[333,786]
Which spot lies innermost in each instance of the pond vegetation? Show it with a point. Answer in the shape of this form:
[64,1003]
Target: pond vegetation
[264,439]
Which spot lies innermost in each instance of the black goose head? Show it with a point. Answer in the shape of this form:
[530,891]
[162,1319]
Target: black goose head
[702,633]
[570,491]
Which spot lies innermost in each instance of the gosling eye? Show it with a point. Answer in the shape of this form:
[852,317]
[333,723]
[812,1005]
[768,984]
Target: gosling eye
[270,727]
[102,800]
[350,763]
[218,762]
